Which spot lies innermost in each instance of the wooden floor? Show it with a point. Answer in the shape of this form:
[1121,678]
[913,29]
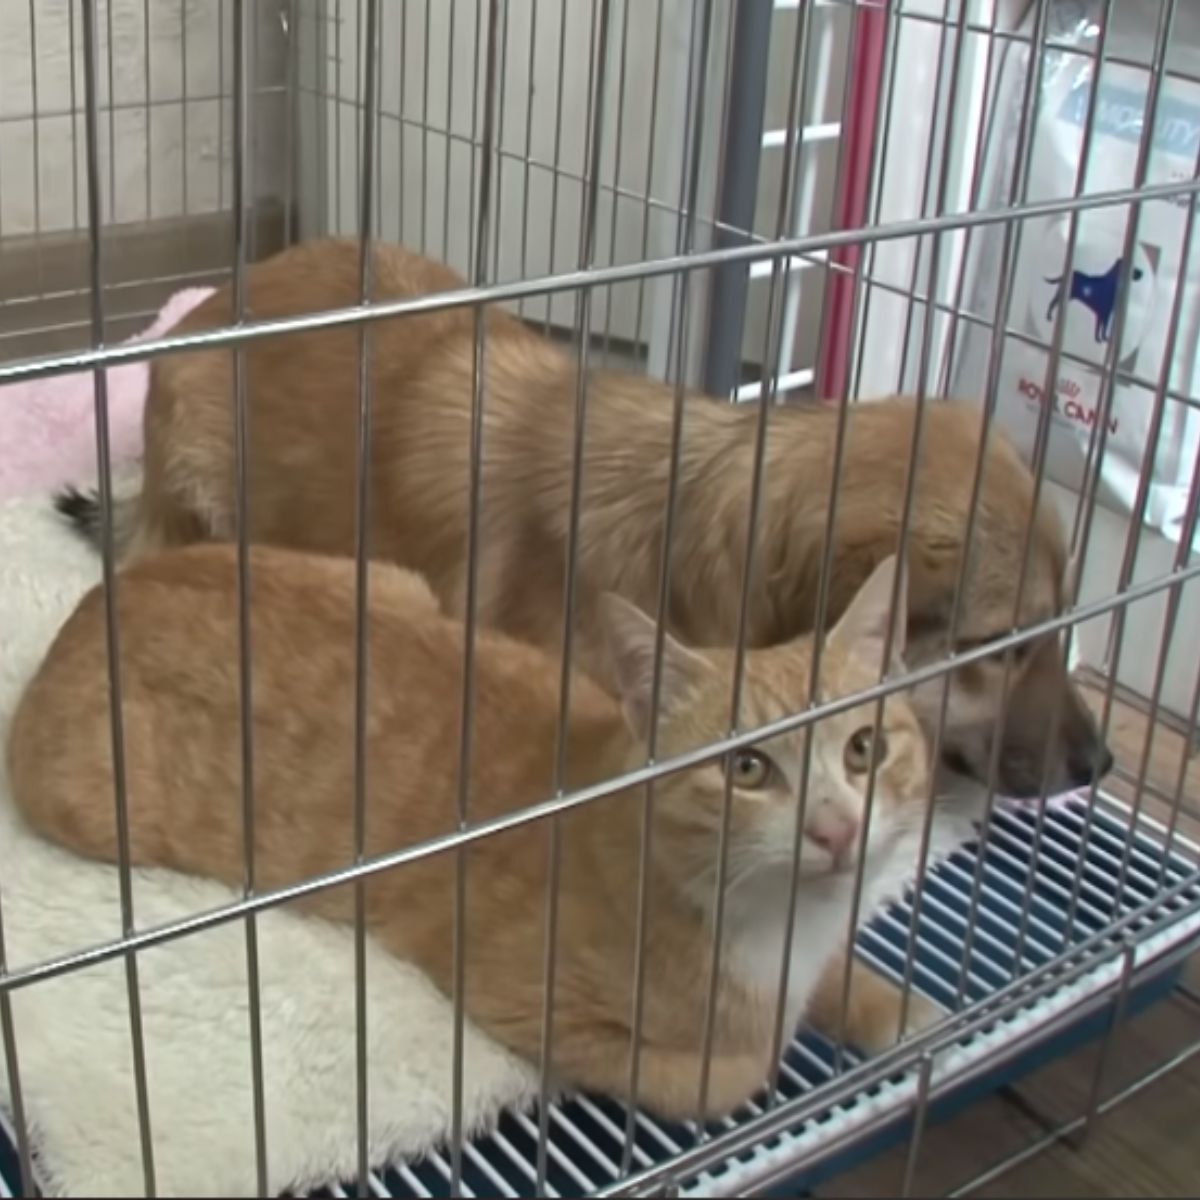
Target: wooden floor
[1148,1146]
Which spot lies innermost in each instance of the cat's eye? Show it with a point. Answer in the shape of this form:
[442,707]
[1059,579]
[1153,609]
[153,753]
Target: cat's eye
[863,746]
[750,769]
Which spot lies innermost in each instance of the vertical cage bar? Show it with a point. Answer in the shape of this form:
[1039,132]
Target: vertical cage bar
[804,198]
[883,127]
[1125,572]
[401,127]
[697,67]
[362,530]
[112,113]
[356,103]
[861,91]
[556,155]
[291,116]
[921,1106]
[452,7]
[1141,501]
[503,85]
[73,89]
[12,1067]
[875,51]
[1097,442]
[239,169]
[34,91]
[956,305]
[738,194]
[338,103]
[689,186]
[185,144]
[1104,1054]
[148,103]
[855,164]
[1098,439]
[651,148]
[528,147]
[948,106]
[597,71]
[923,371]
[1185,756]
[776,316]
[1018,194]
[220,103]
[111,631]
[964,564]
[320,54]
[471,620]
[801,58]
[943,183]
[615,210]
[820,621]
[424,177]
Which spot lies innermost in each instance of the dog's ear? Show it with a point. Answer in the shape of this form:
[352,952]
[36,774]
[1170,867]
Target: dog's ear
[863,628]
[629,636]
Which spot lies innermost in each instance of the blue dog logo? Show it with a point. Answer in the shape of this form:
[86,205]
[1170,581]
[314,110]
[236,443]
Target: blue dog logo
[1098,293]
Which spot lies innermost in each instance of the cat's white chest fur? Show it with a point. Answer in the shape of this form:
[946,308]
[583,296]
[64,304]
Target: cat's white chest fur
[756,926]
[756,908]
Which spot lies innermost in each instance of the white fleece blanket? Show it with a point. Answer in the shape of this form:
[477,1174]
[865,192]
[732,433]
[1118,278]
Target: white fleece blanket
[73,1035]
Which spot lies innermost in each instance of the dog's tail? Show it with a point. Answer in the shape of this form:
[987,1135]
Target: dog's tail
[83,511]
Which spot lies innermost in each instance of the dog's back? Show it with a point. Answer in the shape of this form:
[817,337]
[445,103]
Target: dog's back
[302,392]
[303,418]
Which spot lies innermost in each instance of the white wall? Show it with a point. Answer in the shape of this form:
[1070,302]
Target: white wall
[889,361]
[431,102]
[165,123]
[909,180]
[431,82]
[1142,645]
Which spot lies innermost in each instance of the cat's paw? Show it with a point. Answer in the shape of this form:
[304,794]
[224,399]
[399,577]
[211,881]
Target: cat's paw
[922,1014]
[876,1018]
[869,1018]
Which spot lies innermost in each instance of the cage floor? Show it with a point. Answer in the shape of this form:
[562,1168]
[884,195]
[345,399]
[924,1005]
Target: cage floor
[1023,886]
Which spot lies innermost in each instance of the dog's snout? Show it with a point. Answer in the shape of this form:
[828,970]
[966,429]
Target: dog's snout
[1087,768]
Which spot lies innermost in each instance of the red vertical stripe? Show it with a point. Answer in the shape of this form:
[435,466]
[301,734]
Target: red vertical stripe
[866,78]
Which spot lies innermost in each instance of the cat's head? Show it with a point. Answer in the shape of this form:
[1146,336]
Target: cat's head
[694,709]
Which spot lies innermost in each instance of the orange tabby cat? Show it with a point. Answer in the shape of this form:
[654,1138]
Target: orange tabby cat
[179,656]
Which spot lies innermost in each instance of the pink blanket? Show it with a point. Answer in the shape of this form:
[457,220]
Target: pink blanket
[47,426]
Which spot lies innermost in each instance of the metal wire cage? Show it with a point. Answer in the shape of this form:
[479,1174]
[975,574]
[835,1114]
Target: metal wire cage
[771,201]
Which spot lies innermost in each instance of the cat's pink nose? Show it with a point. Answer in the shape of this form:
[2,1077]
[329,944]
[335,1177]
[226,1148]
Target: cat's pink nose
[833,831]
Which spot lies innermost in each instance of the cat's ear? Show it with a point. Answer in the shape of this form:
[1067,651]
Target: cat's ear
[629,639]
[863,628]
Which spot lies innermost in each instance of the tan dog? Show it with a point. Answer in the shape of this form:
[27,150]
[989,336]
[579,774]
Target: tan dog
[182,710]
[302,431]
